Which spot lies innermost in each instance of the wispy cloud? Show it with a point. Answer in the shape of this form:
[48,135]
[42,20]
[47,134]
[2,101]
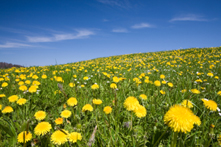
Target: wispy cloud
[59,37]
[189,17]
[142,25]
[13,45]
[118,3]
[120,30]
[105,20]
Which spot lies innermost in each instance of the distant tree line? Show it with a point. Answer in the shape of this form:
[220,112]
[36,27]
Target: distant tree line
[4,65]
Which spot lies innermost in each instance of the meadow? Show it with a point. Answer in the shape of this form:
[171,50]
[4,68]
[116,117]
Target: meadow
[163,99]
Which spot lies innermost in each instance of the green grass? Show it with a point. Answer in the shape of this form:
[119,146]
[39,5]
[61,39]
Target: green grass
[121,127]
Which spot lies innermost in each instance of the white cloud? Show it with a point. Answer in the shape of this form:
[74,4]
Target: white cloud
[142,25]
[105,20]
[13,45]
[119,3]
[189,17]
[120,30]
[59,37]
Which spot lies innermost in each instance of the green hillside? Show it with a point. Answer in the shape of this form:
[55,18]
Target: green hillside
[167,98]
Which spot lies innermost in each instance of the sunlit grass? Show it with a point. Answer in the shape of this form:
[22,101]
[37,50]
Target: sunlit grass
[168,98]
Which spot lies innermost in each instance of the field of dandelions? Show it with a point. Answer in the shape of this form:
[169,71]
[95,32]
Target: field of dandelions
[156,99]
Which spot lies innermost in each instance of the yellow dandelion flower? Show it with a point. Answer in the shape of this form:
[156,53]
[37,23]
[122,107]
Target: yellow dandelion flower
[157,83]
[140,111]
[28,137]
[183,91]
[164,82]
[187,103]
[162,76]
[5,84]
[97,101]
[44,76]
[21,101]
[162,92]
[13,98]
[219,139]
[42,128]
[85,78]
[143,96]
[195,91]
[40,115]
[2,95]
[23,88]
[181,119]
[116,79]
[28,82]
[0,107]
[59,137]
[113,86]
[216,77]
[32,89]
[65,113]
[131,103]
[87,107]
[7,109]
[21,83]
[210,74]
[59,121]
[59,79]
[94,86]
[34,77]
[210,104]
[219,93]
[74,137]
[72,101]
[170,84]
[71,84]
[107,110]
[36,83]
[82,86]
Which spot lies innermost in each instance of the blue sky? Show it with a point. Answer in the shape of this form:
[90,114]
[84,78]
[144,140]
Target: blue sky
[49,32]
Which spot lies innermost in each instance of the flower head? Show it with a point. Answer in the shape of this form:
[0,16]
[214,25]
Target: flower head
[5,84]
[157,83]
[7,109]
[23,88]
[2,95]
[140,111]
[71,84]
[143,96]
[181,119]
[116,79]
[131,103]
[40,115]
[72,101]
[94,86]
[13,98]
[66,113]
[187,103]
[195,91]
[107,110]
[170,84]
[59,137]
[87,107]
[210,104]
[162,76]
[59,121]
[28,137]
[42,128]
[219,93]
[162,92]
[74,136]
[21,101]
[113,86]
[32,89]
[97,101]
